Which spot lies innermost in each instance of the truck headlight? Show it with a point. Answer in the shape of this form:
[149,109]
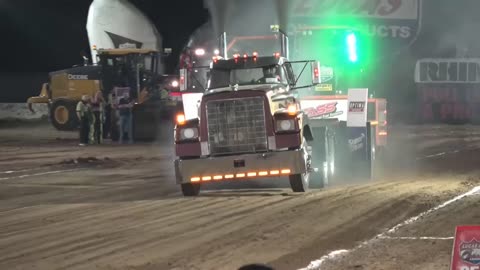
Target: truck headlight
[188,134]
[285,125]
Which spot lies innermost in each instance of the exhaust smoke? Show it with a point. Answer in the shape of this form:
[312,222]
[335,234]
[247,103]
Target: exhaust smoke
[247,17]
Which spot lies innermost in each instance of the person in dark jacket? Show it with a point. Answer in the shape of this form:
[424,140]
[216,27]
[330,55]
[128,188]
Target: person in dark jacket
[125,106]
[97,104]
[83,114]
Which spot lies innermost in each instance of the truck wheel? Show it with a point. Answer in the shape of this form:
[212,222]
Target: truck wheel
[321,158]
[63,115]
[190,190]
[300,182]
[331,160]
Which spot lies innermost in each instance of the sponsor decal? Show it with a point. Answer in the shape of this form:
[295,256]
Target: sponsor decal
[470,252]
[127,46]
[466,248]
[327,110]
[357,143]
[77,77]
[356,106]
[324,87]
[447,71]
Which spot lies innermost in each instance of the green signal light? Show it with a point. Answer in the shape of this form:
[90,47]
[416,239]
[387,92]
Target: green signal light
[352,47]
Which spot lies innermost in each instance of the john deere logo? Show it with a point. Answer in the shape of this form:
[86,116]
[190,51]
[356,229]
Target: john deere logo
[77,77]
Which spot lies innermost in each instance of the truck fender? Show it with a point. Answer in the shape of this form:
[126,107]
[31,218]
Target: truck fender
[307,131]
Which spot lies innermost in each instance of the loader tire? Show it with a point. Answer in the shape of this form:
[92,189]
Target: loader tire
[63,115]
[190,190]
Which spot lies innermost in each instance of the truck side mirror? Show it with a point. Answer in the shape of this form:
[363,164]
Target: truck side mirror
[316,69]
[183,79]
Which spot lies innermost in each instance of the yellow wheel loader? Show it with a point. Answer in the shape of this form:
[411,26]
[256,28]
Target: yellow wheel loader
[136,69]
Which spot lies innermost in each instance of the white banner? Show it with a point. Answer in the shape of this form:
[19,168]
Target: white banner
[357,108]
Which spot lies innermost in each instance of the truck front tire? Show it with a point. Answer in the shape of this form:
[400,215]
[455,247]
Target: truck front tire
[300,182]
[190,190]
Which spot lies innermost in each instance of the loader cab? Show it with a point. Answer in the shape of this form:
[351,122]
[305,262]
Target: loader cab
[133,68]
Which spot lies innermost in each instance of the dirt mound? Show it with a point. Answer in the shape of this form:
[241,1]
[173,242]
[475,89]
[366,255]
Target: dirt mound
[85,160]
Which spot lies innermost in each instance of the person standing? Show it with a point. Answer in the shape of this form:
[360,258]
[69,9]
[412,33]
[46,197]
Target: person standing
[97,124]
[108,117]
[83,109]
[125,106]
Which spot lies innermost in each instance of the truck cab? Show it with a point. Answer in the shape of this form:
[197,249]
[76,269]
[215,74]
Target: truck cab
[249,125]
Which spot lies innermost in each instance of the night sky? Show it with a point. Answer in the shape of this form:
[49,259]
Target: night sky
[46,35]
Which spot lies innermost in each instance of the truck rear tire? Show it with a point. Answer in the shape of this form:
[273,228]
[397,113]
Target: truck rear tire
[321,158]
[190,190]
[63,115]
[319,179]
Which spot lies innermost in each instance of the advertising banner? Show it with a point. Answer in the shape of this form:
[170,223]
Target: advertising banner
[357,108]
[448,71]
[395,22]
[448,90]
[325,109]
[466,248]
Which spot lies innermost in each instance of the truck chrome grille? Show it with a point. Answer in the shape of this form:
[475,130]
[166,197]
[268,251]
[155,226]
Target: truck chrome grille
[236,126]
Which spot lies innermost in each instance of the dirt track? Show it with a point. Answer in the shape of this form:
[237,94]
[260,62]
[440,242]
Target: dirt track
[122,209]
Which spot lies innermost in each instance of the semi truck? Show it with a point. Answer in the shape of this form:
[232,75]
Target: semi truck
[250,124]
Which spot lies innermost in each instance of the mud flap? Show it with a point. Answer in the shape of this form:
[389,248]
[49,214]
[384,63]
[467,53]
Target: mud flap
[357,152]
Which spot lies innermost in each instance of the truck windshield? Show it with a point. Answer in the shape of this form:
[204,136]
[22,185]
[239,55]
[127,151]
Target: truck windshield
[249,76]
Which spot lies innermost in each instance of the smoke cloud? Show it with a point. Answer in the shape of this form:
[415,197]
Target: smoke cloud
[247,17]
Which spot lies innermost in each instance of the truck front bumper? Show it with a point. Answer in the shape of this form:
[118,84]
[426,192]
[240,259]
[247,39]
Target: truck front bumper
[247,166]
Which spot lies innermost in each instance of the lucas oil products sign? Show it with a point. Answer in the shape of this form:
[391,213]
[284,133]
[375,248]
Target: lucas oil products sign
[395,22]
[466,248]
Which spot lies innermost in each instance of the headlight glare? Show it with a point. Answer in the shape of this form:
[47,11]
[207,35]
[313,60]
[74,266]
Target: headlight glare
[285,125]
